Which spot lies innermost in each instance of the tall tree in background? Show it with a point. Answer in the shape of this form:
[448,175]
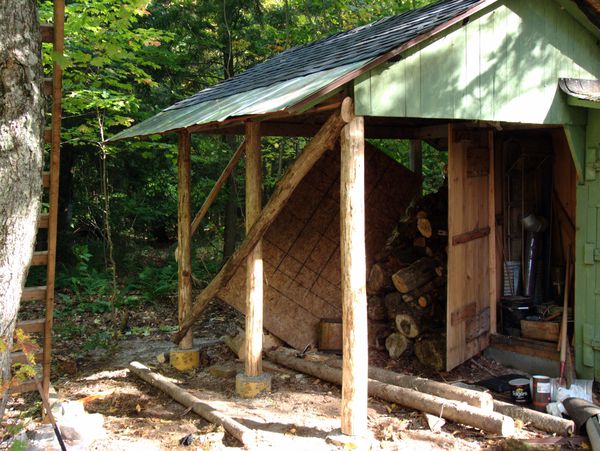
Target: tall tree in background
[21,156]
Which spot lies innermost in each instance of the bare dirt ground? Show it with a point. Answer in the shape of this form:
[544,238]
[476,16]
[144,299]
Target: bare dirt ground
[298,414]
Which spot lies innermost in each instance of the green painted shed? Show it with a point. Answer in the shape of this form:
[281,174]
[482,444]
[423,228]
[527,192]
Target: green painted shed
[506,87]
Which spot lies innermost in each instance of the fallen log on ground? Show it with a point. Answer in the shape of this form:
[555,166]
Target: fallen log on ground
[475,398]
[539,420]
[458,412]
[238,430]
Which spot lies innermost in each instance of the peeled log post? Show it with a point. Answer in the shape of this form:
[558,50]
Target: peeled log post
[254,263]
[353,279]
[415,275]
[184,233]
[458,412]
[239,431]
[323,141]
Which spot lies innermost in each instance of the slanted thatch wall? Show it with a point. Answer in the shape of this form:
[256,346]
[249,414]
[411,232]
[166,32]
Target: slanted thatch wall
[301,248]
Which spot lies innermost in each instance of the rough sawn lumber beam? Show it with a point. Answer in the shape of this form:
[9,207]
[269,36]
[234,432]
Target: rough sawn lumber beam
[323,141]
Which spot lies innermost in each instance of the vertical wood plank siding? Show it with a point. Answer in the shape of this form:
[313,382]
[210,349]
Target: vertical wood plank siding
[503,65]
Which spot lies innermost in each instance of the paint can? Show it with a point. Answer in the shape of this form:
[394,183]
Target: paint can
[541,388]
[519,389]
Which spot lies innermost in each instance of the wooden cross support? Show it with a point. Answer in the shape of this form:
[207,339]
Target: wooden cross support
[323,141]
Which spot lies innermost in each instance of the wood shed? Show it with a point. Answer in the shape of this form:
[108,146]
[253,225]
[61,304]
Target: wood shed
[509,89]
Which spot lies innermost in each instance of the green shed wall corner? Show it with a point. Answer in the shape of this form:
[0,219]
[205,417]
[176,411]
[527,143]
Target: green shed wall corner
[587,257]
[503,65]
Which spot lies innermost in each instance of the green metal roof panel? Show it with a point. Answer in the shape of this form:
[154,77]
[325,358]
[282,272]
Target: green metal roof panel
[268,99]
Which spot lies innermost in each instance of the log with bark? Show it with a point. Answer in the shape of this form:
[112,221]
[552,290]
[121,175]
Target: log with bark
[430,349]
[398,345]
[239,431]
[380,274]
[415,275]
[458,412]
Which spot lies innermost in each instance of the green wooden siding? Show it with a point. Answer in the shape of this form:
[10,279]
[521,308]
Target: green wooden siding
[587,266]
[503,65]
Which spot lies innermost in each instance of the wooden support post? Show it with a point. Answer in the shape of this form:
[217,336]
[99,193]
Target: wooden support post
[415,156]
[254,264]
[493,254]
[323,141]
[353,271]
[58,48]
[184,254]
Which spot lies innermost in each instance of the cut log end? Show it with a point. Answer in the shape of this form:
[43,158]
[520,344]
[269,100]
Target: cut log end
[408,325]
[398,345]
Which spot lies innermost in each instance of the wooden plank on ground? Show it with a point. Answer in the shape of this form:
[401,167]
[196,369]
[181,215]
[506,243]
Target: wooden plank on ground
[43,221]
[526,346]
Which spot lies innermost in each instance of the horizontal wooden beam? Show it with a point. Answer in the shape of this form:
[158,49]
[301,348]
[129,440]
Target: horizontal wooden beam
[20,357]
[34,294]
[24,387]
[47,32]
[525,346]
[43,221]
[39,258]
[31,326]
[470,236]
[46,179]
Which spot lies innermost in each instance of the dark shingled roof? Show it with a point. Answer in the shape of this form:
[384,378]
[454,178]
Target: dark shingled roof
[359,44]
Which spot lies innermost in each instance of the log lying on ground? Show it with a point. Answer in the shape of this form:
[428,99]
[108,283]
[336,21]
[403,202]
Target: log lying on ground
[539,420]
[475,398]
[238,430]
[458,412]
[415,275]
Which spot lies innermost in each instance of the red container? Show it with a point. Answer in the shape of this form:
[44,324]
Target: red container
[541,388]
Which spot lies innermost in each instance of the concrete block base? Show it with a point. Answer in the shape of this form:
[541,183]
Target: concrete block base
[185,359]
[344,441]
[252,386]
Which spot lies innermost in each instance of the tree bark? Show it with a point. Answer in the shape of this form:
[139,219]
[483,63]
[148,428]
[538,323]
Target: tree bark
[21,141]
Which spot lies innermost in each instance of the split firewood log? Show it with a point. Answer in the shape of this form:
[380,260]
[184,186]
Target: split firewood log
[398,345]
[430,349]
[415,275]
[380,275]
[376,310]
[432,285]
[409,322]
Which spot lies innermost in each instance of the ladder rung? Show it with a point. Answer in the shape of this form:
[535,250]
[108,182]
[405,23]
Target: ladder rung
[46,179]
[34,294]
[47,86]
[47,31]
[31,326]
[43,221]
[24,387]
[20,357]
[47,135]
[40,258]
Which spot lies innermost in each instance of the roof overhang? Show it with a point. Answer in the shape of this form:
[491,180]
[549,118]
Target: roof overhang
[581,92]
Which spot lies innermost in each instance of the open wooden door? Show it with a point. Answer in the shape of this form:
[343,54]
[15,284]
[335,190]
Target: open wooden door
[470,231]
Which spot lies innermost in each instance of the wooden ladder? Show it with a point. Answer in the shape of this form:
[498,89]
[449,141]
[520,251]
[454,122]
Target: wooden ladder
[52,87]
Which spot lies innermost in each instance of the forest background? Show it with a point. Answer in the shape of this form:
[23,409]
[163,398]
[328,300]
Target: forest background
[124,61]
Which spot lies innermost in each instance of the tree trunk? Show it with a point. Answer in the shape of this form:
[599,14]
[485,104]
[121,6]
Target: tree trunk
[21,141]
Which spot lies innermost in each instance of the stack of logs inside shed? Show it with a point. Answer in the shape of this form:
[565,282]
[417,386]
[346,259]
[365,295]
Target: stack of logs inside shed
[407,284]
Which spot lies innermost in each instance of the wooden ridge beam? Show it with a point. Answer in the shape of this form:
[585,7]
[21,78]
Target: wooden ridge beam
[324,140]
[34,293]
[218,185]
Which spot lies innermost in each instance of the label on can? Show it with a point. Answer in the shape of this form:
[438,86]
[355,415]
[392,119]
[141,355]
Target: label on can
[543,387]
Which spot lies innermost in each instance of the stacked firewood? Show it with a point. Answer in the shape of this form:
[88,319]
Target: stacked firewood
[407,284]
